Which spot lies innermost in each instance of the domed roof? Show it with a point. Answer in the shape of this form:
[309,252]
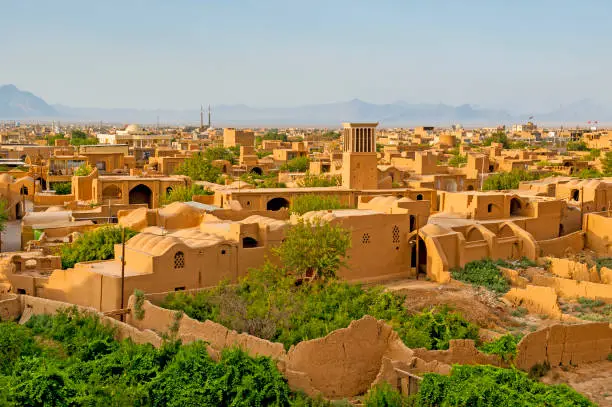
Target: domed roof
[6,179]
[133,128]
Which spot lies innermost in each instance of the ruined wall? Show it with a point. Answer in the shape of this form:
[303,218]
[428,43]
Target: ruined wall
[538,300]
[10,307]
[561,246]
[565,344]
[573,270]
[573,289]
[461,351]
[598,233]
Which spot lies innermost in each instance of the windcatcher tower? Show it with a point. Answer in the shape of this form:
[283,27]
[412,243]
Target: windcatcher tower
[359,160]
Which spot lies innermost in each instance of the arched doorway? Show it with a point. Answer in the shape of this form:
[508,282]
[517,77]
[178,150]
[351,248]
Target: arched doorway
[575,194]
[18,211]
[141,194]
[276,204]
[470,187]
[421,256]
[256,170]
[515,207]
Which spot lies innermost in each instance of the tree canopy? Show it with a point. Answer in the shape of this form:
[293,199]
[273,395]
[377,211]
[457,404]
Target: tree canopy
[509,180]
[199,168]
[297,164]
[95,245]
[80,138]
[183,193]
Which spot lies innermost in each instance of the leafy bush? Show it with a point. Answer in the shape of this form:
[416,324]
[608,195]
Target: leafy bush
[309,203]
[83,170]
[489,386]
[76,362]
[577,146]
[508,180]
[221,153]
[183,193]
[312,180]
[504,347]
[96,245]
[383,395]
[199,168]
[262,181]
[457,160]
[62,188]
[499,137]
[483,273]
[588,173]
[80,138]
[297,164]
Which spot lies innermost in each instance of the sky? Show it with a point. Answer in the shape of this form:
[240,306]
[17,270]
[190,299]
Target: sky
[520,55]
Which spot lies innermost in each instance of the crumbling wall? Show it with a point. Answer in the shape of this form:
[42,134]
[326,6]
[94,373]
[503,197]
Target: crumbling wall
[10,307]
[561,246]
[573,270]
[460,351]
[565,345]
[165,321]
[574,289]
[514,277]
[538,300]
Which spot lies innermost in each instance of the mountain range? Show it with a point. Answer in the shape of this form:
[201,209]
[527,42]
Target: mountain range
[16,104]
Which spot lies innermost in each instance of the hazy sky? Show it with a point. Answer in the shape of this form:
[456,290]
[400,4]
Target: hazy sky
[519,54]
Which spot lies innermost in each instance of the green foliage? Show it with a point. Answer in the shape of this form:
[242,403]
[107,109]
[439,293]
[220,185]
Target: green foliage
[383,395]
[273,134]
[577,146]
[483,273]
[504,347]
[329,136]
[262,181]
[522,263]
[308,203]
[603,262]
[297,164]
[184,193]
[138,310]
[221,153]
[71,359]
[499,137]
[80,138]
[539,370]
[594,154]
[83,170]
[457,160]
[311,180]
[263,153]
[51,138]
[606,163]
[62,188]
[589,173]
[199,168]
[518,145]
[96,245]
[4,213]
[490,386]
[314,249]
[508,180]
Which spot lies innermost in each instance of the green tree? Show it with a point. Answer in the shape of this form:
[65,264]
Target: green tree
[51,138]
[184,193]
[311,180]
[309,203]
[62,188]
[221,153]
[273,134]
[80,138]
[509,180]
[83,170]
[199,168]
[499,137]
[606,163]
[589,173]
[458,160]
[315,249]
[577,146]
[96,245]
[297,164]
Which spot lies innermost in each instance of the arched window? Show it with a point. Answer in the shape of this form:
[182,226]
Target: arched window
[419,197]
[490,208]
[179,260]
[248,243]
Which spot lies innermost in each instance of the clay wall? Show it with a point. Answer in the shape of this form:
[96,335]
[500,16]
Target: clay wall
[598,233]
[460,351]
[10,307]
[538,300]
[561,246]
[574,289]
[565,344]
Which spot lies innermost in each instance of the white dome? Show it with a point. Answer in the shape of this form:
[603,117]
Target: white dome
[133,128]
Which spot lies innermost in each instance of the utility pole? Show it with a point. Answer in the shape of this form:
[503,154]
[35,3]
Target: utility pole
[122,269]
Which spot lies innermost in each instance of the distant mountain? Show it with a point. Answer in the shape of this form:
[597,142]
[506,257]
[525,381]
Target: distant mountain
[17,104]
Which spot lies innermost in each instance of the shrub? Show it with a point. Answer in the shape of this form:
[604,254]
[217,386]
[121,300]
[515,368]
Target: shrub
[96,245]
[383,395]
[297,164]
[508,180]
[309,203]
[183,193]
[490,386]
[504,347]
[62,188]
[589,173]
[483,273]
[312,181]
[577,146]
[457,160]
[199,168]
[83,170]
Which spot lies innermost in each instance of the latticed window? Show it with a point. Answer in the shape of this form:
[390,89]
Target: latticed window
[179,260]
[396,234]
[366,238]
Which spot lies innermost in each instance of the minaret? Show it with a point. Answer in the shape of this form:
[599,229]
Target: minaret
[201,117]
[209,125]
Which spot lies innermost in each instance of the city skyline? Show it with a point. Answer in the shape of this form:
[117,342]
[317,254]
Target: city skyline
[521,57]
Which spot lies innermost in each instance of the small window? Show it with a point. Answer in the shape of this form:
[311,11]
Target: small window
[396,234]
[490,208]
[248,243]
[223,251]
[365,238]
[21,291]
[179,288]
[24,190]
[419,197]
[179,260]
